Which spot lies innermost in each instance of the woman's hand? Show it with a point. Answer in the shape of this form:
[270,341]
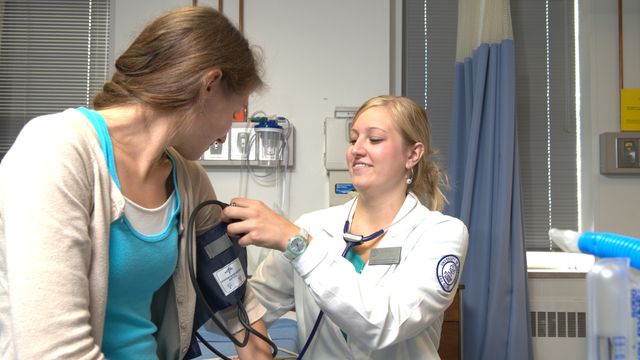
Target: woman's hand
[260,225]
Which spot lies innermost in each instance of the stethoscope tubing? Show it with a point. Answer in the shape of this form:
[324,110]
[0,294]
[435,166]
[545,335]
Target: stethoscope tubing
[321,313]
[348,237]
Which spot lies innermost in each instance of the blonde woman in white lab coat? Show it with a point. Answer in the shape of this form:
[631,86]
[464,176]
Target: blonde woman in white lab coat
[387,301]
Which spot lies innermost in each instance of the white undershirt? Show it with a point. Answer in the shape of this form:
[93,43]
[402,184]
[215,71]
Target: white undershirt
[150,222]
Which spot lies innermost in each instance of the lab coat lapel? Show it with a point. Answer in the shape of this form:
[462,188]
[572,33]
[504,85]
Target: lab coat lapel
[334,225]
[396,237]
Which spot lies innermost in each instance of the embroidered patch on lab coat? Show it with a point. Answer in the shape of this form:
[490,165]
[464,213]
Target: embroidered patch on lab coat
[448,271]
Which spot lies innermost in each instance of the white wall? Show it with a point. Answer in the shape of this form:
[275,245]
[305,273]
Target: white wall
[610,203]
[319,55]
[323,54]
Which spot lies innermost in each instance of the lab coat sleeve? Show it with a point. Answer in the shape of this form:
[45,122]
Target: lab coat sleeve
[48,251]
[407,299]
[272,284]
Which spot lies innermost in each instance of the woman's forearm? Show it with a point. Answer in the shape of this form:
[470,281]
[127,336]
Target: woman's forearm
[256,348]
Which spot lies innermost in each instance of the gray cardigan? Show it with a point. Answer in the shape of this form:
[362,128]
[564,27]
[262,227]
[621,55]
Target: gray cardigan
[57,201]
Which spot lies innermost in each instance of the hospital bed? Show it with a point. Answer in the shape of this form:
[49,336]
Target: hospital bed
[284,333]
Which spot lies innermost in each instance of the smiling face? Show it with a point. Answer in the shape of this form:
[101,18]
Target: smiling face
[377,157]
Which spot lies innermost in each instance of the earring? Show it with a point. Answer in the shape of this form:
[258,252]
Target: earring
[200,111]
[409,180]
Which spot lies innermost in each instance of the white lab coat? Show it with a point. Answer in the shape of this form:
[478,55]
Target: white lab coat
[387,311]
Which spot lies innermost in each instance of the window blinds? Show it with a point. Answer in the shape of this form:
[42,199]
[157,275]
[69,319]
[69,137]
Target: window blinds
[430,38]
[53,56]
[545,100]
[546,110]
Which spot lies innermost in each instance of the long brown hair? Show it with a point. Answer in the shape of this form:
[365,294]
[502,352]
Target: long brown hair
[165,66]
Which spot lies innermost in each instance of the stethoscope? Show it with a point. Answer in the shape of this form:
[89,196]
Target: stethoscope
[353,240]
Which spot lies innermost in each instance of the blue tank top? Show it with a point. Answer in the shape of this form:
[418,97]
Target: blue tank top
[138,266]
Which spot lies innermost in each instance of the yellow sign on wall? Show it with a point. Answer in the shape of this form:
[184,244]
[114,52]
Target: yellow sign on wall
[630,109]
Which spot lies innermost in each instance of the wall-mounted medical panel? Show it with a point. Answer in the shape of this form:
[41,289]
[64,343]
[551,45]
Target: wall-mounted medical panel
[620,153]
[241,145]
[336,134]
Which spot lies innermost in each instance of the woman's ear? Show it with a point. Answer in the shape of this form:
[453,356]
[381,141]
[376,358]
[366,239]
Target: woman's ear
[415,154]
[212,79]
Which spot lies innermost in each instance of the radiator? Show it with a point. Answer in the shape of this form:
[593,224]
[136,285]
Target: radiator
[559,329]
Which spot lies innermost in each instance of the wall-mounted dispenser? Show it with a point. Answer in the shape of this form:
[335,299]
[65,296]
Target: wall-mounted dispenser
[336,134]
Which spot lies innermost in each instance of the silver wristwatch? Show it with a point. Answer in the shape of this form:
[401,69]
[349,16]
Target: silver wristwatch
[297,245]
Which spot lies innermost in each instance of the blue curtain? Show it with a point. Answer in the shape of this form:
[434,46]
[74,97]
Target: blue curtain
[486,195]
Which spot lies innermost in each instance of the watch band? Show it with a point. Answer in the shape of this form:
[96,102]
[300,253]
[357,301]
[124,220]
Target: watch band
[302,238]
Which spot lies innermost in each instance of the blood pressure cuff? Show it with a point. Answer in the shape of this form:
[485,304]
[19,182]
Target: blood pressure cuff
[221,265]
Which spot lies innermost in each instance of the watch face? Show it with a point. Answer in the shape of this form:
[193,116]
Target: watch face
[297,245]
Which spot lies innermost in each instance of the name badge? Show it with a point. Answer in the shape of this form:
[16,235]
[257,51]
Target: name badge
[385,256]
